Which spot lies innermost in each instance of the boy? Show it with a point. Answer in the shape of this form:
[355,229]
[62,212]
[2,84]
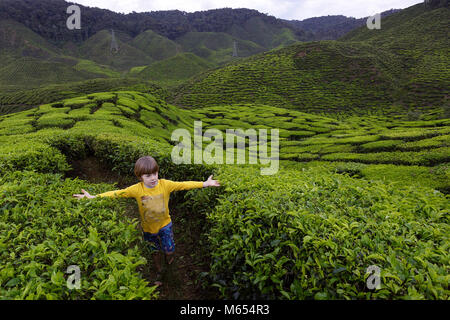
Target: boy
[152,195]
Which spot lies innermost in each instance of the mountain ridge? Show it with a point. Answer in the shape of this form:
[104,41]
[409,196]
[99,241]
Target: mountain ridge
[346,75]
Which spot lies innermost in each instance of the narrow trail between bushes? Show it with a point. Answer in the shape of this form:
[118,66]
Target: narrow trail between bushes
[180,280]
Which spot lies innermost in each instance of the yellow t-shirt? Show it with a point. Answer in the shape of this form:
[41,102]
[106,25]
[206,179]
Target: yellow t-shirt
[153,202]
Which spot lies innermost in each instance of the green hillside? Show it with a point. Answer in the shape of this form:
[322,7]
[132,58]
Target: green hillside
[155,45]
[17,39]
[418,36]
[322,77]
[266,35]
[417,28]
[188,55]
[28,71]
[173,71]
[355,135]
[18,100]
[369,197]
[141,40]
[90,66]
[362,73]
[217,47]
[358,145]
[98,48]
[31,61]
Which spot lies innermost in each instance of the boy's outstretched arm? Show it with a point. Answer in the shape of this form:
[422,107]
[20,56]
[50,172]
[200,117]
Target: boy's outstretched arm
[211,183]
[187,185]
[125,193]
[85,194]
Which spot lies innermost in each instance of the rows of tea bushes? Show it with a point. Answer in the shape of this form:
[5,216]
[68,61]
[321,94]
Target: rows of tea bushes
[403,70]
[436,177]
[305,232]
[324,76]
[312,234]
[424,52]
[43,231]
[303,137]
[21,99]
[387,147]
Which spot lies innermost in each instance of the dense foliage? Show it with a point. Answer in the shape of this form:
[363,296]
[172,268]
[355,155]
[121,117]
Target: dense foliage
[352,192]
[331,27]
[311,234]
[48,18]
[43,232]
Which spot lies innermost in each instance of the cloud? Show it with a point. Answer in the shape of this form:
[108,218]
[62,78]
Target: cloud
[284,9]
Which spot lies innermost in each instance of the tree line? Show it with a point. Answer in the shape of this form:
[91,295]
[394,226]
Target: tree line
[48,19]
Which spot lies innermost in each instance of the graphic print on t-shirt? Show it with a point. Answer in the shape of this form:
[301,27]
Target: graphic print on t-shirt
[154,208]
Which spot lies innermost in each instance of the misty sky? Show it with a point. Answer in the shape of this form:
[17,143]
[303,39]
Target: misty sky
[284,9]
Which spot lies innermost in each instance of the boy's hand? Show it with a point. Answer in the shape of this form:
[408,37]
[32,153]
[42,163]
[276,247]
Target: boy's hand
[85,194]
[211,183]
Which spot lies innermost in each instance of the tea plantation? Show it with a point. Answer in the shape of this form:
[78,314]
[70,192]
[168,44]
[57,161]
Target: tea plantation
[348,195]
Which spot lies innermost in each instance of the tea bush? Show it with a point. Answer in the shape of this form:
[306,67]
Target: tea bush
[312,234]
[380,145]
[31,155]
[44,230]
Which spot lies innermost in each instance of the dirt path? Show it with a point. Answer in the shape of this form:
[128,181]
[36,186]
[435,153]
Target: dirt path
[181,278]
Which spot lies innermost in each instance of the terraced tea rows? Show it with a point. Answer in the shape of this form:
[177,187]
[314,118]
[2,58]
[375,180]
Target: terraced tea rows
[408,146]
[298,77]
[18,100]
[44,230]
[400,71]
[310,227]
[302,137]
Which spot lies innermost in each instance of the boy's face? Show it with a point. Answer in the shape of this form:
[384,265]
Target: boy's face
[150,179]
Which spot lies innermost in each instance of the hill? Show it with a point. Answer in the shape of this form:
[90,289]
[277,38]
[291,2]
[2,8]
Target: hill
[173,71]
[363,143]
[40,31]
[98,48]
[418,36]
[331,27]
[328,77]
[31,61]
[387,72]
[155,45]
[370,199]
[217,47]
[18,100]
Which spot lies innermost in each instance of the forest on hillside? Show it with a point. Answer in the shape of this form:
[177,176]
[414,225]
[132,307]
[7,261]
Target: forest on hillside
[171,23]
